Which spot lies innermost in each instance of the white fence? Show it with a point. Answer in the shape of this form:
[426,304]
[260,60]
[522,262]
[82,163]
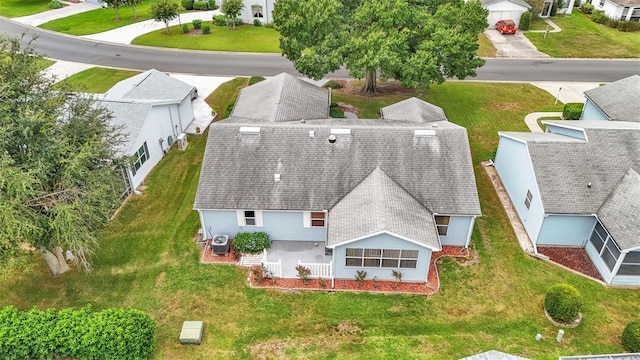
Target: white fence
[274,267]
[318,270]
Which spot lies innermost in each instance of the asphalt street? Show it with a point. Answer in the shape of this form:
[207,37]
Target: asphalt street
[64,47]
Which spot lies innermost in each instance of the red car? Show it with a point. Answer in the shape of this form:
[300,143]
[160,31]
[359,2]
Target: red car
[506,27]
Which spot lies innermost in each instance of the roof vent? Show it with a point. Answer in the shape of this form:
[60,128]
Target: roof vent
[249,130]
[341,131]
[332,139]
[589,185]
[312,133]
[276,177]
[424,132]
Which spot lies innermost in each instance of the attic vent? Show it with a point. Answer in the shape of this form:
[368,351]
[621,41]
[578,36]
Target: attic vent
[424,132]
[341,131]
[312,133]
[276,177]
[249,130]
[332,139]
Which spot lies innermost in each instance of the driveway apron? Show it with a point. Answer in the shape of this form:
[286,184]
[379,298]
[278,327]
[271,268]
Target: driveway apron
[513,46]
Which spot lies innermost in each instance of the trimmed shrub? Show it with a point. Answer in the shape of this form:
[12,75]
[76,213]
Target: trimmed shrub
[336,114]
[572,111]
[587,8]
[197,23]
[332,84]
[576,3]
[211,4]
[257,22]
[55,4]
[252,243]
[185,28]
[206,29]
[200,5]
[220,20]
[629,26]
[229,109]
[563,303]
[598,17]
[82,334]
[255,80]
[554,9]
[525,20]
[631,336]
[187,4]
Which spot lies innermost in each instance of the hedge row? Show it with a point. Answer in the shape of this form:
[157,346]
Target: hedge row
[80,334]
[572,111]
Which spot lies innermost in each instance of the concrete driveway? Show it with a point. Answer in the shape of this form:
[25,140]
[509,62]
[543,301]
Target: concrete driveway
[513,46]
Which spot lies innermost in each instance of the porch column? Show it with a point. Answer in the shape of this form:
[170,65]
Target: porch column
[615,269]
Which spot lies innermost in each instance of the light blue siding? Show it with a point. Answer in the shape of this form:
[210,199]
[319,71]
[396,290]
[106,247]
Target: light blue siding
[566,230]
[279,225]
[591,112]
[574,133]
[458,231]
[597,261]
[626,280]
[516,172]
[382,241]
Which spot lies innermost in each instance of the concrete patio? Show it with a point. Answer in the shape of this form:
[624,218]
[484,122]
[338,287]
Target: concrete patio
[290,252]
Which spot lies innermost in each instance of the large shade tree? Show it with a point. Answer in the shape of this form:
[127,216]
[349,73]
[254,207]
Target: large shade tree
[60,173]
[417,42]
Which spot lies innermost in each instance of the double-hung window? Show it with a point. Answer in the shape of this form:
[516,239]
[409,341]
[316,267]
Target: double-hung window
[442,223]
[381,258]
[140,157]
[250,217]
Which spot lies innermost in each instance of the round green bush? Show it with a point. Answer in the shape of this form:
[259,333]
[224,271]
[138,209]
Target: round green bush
[187,4]
[563,303]
[251,243]
[525,20]
[631,336]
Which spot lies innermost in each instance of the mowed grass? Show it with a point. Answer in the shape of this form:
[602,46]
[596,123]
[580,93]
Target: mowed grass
[99,20]
[96,80]
[582,38]
[147,260]
[17,8]
[226,92]
[246,38]
[486,48]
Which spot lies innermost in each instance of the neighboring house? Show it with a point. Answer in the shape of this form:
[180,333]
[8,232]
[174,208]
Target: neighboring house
[505,9]
[578,185]
[255,10]
[494,355]
[374,195]
[615,101]
[625,356]
[626,10]
[152,109]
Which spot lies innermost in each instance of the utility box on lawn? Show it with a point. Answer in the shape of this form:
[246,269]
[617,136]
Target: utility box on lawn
[191,332]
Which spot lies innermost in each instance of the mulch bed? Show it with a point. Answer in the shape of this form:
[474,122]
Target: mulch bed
[573,258]
[431,286]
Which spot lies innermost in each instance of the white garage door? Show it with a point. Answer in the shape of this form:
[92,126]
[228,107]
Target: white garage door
[494,16]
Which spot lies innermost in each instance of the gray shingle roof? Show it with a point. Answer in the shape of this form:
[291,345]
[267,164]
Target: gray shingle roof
[128,116]
[634,356]
[150,85]
[282,98]
[494,355]
[413,110]
[522,3]
[238,169]
[379,204]
[619,99]
[620,213]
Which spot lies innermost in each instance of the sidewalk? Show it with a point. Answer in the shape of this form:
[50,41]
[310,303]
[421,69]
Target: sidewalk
[43,17]
[126,34]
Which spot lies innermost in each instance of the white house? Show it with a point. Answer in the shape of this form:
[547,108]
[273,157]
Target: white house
[505,9]
[627,10]
[152,109]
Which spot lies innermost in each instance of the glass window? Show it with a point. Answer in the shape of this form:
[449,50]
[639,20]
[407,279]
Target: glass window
[140,157]
[317,219]
[250,218]
[608,259]
[597,242]
[629,270]
[257,12]
[528,198]
[386,258]
[632,257]
[442,224]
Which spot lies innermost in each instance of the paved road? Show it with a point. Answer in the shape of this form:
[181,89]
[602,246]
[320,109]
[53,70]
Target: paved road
[63,47]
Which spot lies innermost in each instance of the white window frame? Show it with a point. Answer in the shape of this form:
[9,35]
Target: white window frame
[242,218]
[443,226]
[384,254]
[141,157]
[308,219]
[260,11]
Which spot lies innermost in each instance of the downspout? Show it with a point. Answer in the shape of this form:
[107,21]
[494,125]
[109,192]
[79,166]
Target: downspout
[179,117]
[473,221]
[173,127]
[130,179]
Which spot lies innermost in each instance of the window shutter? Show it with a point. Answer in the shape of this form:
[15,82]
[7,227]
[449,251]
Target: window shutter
[306,219]
[240,217]
[259,218]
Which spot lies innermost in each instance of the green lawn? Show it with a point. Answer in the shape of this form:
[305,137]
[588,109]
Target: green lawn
[246,38]
[97,80]
[486,48]
[147,260]
[17,8]
[537,23]
[99,20]
[582,38]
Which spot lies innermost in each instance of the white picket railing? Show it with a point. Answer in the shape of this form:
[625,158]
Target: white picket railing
[318,270]
[274,268]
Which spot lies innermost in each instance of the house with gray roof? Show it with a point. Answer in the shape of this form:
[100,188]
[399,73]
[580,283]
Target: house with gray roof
[348,194]
[616,101]
[152,109]
[505,9]
[623,10]
[578,185]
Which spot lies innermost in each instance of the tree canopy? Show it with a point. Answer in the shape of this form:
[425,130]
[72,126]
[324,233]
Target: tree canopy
[417,42]
[231,9]
[165,11]
[60,175]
